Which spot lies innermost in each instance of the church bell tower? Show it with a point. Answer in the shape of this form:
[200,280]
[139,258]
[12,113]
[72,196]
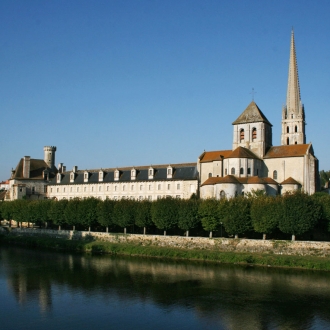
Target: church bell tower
[293,113]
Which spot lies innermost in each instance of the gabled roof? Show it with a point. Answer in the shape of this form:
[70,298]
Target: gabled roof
[293,150]
[209,156]
[37,166]
[290,180]
[241,152]
[252,114]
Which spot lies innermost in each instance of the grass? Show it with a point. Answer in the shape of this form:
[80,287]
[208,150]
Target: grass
[101,247]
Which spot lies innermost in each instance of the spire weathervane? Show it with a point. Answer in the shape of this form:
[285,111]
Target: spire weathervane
[252,93]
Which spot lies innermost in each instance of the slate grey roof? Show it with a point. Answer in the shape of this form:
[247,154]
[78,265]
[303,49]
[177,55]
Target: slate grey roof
[252,114]
[180,172]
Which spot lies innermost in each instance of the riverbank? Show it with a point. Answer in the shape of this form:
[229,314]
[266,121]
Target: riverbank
[120,245]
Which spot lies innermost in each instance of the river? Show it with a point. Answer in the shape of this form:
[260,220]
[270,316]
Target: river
[48,290]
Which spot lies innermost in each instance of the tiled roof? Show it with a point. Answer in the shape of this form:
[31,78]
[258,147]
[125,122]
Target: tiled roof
[180,172]
[294,150]
[252,114]
[37,166]
[241,152]
[242,180]
[209,156]
[290,180]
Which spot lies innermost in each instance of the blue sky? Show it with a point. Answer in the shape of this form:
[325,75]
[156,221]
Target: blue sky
[129,83]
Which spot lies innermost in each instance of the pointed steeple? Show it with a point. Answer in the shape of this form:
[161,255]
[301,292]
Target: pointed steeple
[293,115]
[293,92]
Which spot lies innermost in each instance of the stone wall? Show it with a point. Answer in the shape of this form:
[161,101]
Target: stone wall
[301,248]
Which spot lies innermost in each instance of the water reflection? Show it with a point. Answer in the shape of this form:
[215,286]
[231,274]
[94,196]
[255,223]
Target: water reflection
[193,295]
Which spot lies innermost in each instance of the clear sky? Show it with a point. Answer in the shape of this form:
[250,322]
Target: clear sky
[140,82]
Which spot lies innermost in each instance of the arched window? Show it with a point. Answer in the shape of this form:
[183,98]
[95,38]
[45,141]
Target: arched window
[287,141]
[210,175]
[275,175]
[254,134]
[233,170]
[241,135]
[226,172]
[249,171]
[287,129]
[296,129]
[295,142]
[222,194]
[241,170]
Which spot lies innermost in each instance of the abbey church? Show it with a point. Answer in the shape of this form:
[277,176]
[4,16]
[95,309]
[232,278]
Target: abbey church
[253,163]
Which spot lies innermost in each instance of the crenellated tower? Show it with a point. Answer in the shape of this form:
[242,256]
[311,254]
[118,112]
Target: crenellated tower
[293,113]
[49,156]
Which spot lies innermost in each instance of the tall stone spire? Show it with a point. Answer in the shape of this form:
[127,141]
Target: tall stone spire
[293,115]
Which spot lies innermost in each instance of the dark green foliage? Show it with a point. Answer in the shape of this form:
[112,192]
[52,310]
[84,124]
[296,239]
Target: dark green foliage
[87,211]
[143,213]
[265,214]
[124,213]
[300,213]
[38,211]
[71,212]
[324,177]
[104,211]
[188,216]
[20,210]
[235,213]
[7,210]
[164,213]
[56,212]
[208,212]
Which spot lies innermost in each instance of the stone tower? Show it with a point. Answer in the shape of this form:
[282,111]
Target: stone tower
[293,113]
[49,156]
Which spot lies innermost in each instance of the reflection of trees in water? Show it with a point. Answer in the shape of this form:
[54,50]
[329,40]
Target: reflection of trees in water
[225,293]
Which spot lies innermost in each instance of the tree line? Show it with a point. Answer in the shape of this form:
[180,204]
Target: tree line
[294,214]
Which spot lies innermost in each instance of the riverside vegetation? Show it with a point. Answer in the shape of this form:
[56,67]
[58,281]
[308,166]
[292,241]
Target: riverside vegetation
[255,214]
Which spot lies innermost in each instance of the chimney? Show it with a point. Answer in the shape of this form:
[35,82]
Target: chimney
[26,167]
[75,169]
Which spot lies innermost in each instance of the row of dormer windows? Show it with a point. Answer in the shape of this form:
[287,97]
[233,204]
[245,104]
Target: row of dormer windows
[151,173]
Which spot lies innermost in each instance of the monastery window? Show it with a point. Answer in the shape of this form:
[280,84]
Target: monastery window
[132,187]
[92,188]
[178,186]
[100,188]
[86,176]
[222,194]
[159,187]
[210,175]
[233,171]
[169,171]
[168,187]
[291,116]
[226,171]
[296,129]
[241,135]
[45,189]
[141,187]
[287,141]
[241,170]
[124,187]
[150,172]
[115,188]
[149,198]
[107,188]
[57,189]
[295,142]
[84,189]
[77,189]
[249,171]
[254,134]
[51,190]
[149,187]
[275,175]
[287,129]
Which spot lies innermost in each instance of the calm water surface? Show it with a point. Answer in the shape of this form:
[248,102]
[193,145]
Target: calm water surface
[43,290]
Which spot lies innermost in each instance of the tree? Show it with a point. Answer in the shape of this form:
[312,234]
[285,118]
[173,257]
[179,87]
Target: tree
[208,212]
[38,211]
[71,213]
[104,211]
[164,213]
[123,213]
[143,214]
[188,216]
[56,212]
[236,215]
[300,213]
[87,212]
[20,210]
[7,211]
[265,214]
[324,177]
